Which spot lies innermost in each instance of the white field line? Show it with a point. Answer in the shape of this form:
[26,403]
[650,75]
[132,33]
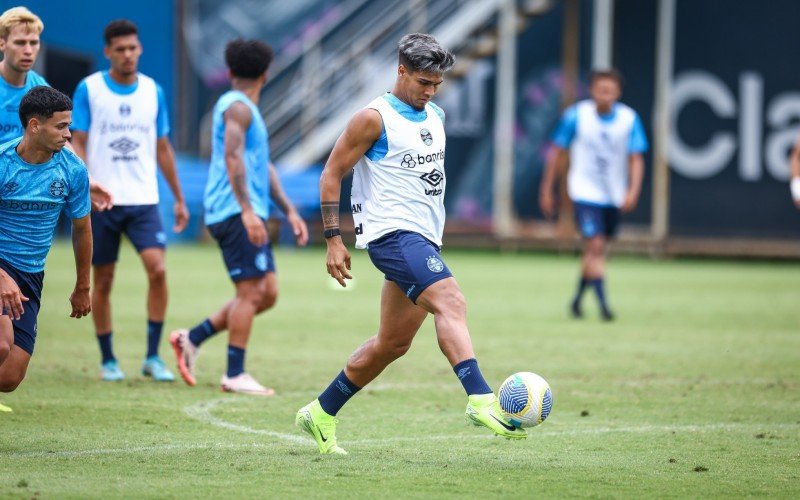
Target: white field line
[202,412]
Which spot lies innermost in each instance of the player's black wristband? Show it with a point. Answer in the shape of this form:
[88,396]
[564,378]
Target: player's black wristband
[330,233]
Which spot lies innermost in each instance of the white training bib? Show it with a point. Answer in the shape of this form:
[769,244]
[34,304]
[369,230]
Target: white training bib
[121,151]
[599,153]
[404,190]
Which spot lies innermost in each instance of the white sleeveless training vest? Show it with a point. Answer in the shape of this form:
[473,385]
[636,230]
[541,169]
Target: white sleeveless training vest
[121,151]
[599,153]
[405,189]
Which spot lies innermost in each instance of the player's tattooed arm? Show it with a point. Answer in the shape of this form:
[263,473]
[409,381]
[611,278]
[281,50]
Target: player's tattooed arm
[361,133]
[237,120]
[330,214]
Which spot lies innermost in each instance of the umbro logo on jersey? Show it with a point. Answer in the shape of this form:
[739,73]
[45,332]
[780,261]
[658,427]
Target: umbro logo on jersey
[426,136]
[434,177]
[123,145]
[124,109]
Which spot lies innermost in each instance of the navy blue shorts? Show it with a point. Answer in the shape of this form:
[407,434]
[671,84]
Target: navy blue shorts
[410,260]
[141,223]
[596,220]
[243,259]
[30,284]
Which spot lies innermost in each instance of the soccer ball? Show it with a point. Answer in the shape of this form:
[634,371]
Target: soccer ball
[526,399]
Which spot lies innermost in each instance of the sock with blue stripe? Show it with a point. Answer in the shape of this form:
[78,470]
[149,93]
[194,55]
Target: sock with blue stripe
[106,350]
[599,290]
[154,329]
[581,288]
[337,394]
[202,332]
[471,378]
[235,360]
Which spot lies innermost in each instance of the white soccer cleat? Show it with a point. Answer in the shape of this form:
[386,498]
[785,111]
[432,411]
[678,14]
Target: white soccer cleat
[186,354]
[245,384]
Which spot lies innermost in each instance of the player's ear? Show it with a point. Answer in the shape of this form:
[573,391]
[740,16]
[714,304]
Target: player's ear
[401,70]
[107,51]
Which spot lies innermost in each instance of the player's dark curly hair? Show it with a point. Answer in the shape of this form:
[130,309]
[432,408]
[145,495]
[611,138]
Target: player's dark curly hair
[41,102]
[611,73]
[119,27]
[248,58]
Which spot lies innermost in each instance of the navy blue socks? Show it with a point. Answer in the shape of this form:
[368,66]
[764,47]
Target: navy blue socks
[599,290]
[104,339]
[471,378]
[154,329]
[235,361]
[337,394]
[201,332]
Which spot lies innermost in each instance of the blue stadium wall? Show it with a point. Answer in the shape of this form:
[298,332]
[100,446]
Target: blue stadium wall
[73,33]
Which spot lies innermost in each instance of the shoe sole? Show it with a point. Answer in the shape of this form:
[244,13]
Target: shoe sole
[478,423]
[186,375]
[267,394]
[146,373]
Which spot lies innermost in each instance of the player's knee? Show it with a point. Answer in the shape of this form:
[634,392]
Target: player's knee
[5,350]
[157,274]
[10,382]
[453,304]
[268,300]
[103,282]
[393,348]
[399,349]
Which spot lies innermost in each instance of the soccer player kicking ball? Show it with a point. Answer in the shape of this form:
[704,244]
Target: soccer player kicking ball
[397,146]
[606,142]
[39,179]
[241,183]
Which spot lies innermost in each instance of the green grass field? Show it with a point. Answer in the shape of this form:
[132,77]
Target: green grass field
[693,392]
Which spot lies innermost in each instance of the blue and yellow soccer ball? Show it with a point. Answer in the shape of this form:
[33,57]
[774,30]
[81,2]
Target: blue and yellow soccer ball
[526,399]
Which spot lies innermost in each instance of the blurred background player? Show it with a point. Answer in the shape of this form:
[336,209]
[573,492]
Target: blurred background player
[242,181]
[39,179]
[121,129]
[396,145]
[603,140]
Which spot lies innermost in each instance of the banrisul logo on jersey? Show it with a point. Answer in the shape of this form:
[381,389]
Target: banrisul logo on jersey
[410,160]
